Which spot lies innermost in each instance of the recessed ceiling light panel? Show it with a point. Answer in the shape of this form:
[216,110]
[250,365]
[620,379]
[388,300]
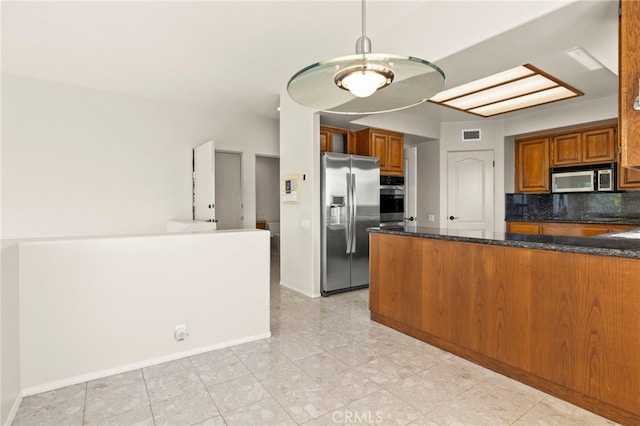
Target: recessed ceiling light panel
[521,87]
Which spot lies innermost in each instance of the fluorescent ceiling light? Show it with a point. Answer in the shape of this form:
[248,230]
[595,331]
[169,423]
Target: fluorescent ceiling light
[521,87]
[581,56]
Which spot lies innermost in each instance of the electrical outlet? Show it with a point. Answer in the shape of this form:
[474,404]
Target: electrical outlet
[431,218]
[181,332]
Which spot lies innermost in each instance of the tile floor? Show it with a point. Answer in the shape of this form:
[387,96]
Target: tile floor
[326,364]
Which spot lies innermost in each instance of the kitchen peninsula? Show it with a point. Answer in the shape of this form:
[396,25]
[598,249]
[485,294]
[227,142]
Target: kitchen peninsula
[561,314]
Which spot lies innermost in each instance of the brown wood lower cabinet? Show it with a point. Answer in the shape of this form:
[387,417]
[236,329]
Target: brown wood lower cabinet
[565,229]
[566,323]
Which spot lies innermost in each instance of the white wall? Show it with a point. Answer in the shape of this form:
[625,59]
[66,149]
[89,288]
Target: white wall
[428,183]
[300,155]
[99,306]
[79,161]
[509,164]
[560,116]
[268,188]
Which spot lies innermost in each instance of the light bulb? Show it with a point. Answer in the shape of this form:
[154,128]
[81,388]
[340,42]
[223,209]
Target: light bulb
[363,83]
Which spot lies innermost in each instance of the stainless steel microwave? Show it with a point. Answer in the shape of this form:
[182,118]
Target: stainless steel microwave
[583,179]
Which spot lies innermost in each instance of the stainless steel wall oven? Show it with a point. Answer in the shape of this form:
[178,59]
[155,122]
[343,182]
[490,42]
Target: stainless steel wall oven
[391,200]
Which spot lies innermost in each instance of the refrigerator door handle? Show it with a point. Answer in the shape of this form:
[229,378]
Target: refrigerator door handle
[354,204]
[347,228]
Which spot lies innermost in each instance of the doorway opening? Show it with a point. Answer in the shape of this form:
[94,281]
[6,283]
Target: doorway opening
[268,198]
[228,182]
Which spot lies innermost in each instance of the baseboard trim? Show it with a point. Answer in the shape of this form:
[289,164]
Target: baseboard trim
[137,365]
[297,290]
[14,410]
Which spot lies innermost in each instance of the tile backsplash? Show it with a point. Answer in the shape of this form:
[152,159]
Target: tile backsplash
[578,207]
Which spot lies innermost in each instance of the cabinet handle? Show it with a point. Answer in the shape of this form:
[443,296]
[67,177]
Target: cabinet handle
[453,217]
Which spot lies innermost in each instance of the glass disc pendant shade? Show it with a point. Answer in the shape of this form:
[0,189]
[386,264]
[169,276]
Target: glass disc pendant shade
[366,83]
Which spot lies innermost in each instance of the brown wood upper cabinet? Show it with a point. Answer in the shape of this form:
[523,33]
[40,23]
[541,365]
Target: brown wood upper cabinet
[584,147]
[629,72]
[535,155]
[333,139]
[532,165]
[387,146]
[628,179]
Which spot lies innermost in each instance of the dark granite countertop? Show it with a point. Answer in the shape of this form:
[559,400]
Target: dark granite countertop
[616,244]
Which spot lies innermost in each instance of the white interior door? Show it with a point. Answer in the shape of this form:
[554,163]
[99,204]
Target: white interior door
[228,190]
[470,186]
[204,185]
[410,185]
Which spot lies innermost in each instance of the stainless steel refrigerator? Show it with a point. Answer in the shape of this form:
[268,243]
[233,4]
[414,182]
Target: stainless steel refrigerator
[350,187]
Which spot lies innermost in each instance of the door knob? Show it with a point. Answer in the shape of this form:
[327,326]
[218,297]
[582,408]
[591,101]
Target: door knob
[453,217]
[410,218]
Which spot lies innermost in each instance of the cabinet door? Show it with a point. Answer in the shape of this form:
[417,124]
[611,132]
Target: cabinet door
[523,228]
[599,146]
[629,70]
[574,229]
[532,165]
[628,178]
[395,155]
[566,149]
[378,143]
[326,142]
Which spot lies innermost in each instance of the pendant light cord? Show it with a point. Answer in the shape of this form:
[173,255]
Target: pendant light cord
[363,44]
[364,18]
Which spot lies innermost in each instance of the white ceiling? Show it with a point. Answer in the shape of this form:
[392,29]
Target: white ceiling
[239,55]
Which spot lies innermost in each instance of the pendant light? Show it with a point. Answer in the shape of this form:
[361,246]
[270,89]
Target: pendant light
[366,83]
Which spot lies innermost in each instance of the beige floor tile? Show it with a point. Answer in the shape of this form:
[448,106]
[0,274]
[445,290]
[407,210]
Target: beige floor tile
[321,365]
[138,417]
[185,409]
[65,412]
[211,357]
[307,402]
[262,360]
[382,407]
[298,348]
[112,400]
[214,421]
[237,393]
[348,386]
[386,370]
[222,370]
[173,384]
[420,393]
[330,340]
[118,380]
[284,378]
[72,395]
[454,376]
[265,412]
[353,354]
[167,368]
[554,412]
